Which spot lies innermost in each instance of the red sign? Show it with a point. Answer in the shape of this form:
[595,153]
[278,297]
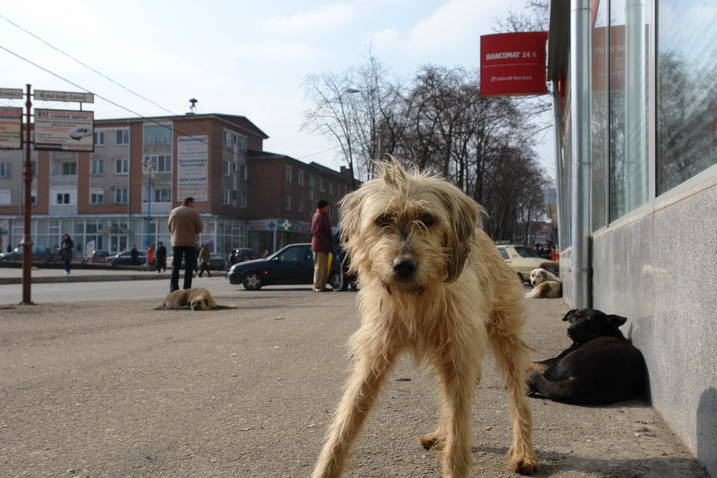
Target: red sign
[513,64]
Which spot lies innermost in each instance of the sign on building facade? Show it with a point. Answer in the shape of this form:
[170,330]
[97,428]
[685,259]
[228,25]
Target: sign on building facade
[192,167]
[10,128]
[64,130]
[513,64]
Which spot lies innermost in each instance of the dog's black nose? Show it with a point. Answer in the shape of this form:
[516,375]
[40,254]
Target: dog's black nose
[404,268]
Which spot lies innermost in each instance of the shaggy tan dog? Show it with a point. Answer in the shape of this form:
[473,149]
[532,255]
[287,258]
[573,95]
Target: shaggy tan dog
[433,284]
[545,285]
[196,298]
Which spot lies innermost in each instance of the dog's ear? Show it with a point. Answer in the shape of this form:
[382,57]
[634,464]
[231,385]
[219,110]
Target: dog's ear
[568,314]
[616,320]
[350,213]
[463,217]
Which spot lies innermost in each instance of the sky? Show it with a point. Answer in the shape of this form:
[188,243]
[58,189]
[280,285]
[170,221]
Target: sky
[237,57]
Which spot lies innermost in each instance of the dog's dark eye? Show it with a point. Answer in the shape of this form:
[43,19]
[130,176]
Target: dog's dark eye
[384,220]
[427,220]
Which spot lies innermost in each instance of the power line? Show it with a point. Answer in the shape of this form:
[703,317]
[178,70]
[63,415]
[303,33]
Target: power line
[85,65]
[318,152]
[171,128]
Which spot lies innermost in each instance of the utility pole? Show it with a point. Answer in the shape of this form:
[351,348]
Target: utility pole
[27,240]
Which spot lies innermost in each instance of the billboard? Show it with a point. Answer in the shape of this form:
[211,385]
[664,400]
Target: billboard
[10,128]
[192,167]
[69,96]
[64,130]
[513,64]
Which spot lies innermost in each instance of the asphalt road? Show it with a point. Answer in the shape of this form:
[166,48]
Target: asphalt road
[113,388]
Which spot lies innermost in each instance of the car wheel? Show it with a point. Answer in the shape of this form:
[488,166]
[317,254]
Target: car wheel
[252,281]
[337,281]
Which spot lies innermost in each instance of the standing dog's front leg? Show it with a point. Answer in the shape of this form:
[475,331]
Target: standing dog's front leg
[362,388]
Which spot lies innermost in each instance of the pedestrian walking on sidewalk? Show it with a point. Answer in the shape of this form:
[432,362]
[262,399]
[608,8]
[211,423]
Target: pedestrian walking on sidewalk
[321,245]
[66,248]
[184,225]
[134,254]
[204,260]
[161,258]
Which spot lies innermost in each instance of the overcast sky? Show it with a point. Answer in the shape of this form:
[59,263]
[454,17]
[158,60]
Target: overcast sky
[237,57]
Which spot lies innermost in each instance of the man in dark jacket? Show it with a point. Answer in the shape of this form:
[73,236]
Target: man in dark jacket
[321,245]
[161,257]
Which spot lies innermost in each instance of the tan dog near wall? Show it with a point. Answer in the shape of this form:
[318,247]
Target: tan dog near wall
[545,285]
[432,284]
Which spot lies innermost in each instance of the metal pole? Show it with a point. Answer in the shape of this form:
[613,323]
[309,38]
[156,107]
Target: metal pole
[149,208]
[27,240]
[580,152]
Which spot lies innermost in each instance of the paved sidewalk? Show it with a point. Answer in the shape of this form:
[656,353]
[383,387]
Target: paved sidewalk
[114,388]
[13,275]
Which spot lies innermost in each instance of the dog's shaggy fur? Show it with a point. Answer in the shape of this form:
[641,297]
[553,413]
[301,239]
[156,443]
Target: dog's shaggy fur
[431,283]
[196,298]
[545,285]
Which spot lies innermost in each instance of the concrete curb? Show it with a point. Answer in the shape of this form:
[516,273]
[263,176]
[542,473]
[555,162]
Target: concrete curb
[84,278]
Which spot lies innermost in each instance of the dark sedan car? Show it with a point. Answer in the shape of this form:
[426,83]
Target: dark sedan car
[40,255]
[294,264]
[124,258]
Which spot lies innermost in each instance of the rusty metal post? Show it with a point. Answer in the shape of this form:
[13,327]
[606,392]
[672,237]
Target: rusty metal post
[27,239]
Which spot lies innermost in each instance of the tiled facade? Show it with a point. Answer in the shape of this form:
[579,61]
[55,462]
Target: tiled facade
[120,194]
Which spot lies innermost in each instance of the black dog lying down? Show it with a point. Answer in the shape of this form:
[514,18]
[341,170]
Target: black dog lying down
[601,366]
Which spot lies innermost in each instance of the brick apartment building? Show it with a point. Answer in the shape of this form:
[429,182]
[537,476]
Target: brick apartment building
[121,194]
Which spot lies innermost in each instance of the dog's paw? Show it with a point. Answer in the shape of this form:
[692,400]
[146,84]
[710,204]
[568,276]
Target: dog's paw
[432,441]
[524,464]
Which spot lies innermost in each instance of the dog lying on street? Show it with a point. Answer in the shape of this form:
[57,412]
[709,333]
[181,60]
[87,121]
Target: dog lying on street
[545,285]
[196,298]
[433,284]
[601,366]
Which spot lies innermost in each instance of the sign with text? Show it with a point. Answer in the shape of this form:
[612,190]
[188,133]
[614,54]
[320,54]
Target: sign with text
[513,64]
[10,128]
[49,95]
[11,93]
[64,130]
[192,167]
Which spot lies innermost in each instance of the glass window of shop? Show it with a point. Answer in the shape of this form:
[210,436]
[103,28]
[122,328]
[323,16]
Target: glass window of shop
[686,90]
[599,140]
[627,110]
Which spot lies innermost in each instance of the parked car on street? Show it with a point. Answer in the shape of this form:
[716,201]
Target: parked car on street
[40,255]
[96,256]
[246,254]
[217,262]
[294,264]
[124,258]
[523,259]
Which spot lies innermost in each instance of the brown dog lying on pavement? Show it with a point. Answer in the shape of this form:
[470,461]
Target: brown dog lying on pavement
[545,285]
[196,298]
[601,366]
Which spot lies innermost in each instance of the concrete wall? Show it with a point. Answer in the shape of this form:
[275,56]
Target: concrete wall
[659,269]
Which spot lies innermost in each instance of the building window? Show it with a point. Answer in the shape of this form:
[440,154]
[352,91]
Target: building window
[157,134]
[300,177]
[242,199]
[686,90]
[227,138]
[62,198]
[164,163]
[121,196]
[243,172]
[287,174]
[68,169]
[4,169]
[33,197]
[97,196]
[227,197]
[122,137]
[300,207]
[162,195]
[97,167]
[287,201]
[5,197]
[122,166]
[99,138]
[243,145]
[312,181]
[331,187]
[227,167]
[322,184]
[627,107]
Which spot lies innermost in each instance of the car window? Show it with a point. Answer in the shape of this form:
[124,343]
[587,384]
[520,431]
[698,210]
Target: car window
[292,254]
[504,253]
[526,252]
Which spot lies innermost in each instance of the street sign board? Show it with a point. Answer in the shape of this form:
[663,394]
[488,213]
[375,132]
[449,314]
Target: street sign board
[11,93]
[513,64]
[49,95]
[64,130]
[10,128]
